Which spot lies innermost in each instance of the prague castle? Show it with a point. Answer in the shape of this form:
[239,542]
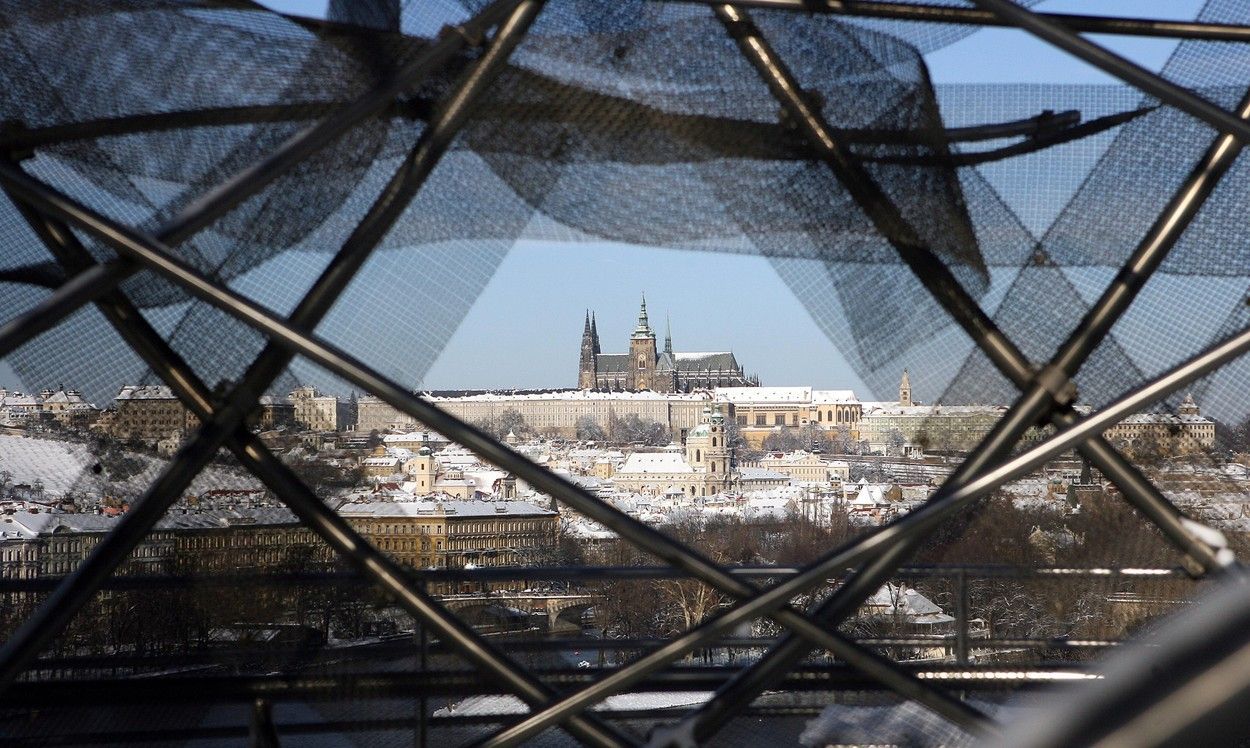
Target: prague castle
[645,368]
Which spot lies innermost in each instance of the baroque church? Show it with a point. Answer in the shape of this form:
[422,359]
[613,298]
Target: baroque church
[645,368]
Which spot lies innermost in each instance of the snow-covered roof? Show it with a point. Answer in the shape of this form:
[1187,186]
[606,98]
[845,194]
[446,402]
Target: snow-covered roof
[764,394]
[578,395]
[1165,419]
[46,523]
[145,392]
[757,473]
[823,397]
[435,508]
[894,600]
[18,400]
[870,496]
[933,411]
[414,436]
[70,397]
[655,462]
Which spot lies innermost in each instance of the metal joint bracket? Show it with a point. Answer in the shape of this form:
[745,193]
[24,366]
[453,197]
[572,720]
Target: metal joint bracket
[740,28]
[1213,539]
[1057,383]
[10,129]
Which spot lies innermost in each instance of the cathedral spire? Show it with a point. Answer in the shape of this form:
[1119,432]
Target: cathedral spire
[668,335]
[643,330]
[586,379]
[594,333]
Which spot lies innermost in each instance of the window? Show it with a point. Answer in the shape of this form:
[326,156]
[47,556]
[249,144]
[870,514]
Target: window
[761,419]
[642,362]
[779,419]
[742,420]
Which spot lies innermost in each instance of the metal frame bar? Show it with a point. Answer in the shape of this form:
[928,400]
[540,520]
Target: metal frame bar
[340,363]
[1033,404]
[224,421]
[68,597]
[154,255]
[1109,62]
[131,243]
[567,573]
[922,520]
[926,13]
[413,684]
[247,182]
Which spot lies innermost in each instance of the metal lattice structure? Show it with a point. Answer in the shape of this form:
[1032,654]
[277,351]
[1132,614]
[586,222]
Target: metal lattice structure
[903,192]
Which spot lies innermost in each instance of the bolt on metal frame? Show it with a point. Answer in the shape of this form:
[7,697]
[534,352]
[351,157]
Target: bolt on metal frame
[1045,395]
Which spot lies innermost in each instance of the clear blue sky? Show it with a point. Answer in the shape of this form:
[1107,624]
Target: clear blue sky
[524,330]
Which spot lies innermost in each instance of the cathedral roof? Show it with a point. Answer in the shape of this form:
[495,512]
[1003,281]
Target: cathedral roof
[611,362]
[699,361]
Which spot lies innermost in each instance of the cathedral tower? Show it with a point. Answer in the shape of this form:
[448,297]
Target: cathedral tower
[642,355]
[904,391]
[586,364]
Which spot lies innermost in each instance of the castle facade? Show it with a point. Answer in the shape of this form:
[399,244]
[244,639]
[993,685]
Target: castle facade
[646,368]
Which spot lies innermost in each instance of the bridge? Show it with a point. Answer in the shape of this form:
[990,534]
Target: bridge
[558,612]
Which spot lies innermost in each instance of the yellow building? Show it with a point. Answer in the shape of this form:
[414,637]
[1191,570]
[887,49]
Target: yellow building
[456,534]
[148,412]
[805,467]
[759,411]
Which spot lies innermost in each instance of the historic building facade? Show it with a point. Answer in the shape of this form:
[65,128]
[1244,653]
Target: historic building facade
[149,413]
[705,468]
[314,411]
[759,411]
[646,368]
[456,534]
[556,412]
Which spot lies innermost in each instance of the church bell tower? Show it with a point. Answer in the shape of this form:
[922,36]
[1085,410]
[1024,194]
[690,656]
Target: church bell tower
[642,355]
[904,391]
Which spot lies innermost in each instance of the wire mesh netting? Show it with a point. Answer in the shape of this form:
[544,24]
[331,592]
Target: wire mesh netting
[641,123]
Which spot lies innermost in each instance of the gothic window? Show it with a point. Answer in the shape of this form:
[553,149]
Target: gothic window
[642,362]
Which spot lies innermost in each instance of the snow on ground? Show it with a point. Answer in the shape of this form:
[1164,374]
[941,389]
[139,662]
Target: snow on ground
[67,466]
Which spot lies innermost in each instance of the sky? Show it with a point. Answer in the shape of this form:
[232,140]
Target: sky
[531,313]
[770,332]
